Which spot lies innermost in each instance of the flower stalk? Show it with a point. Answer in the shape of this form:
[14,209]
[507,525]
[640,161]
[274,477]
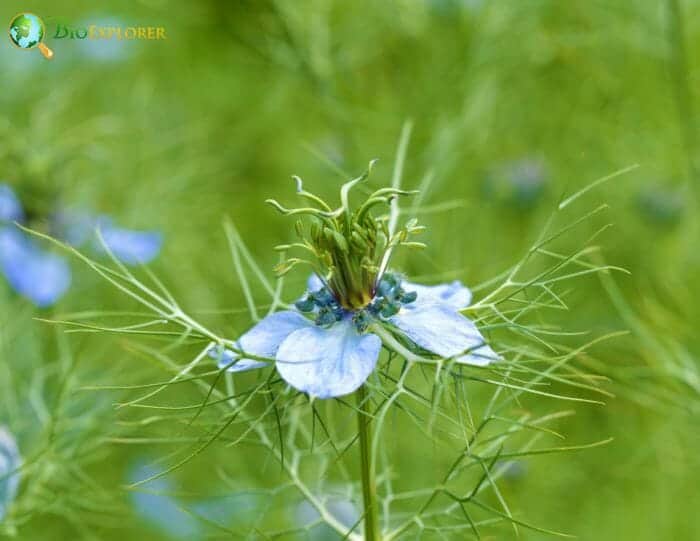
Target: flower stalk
[368,471]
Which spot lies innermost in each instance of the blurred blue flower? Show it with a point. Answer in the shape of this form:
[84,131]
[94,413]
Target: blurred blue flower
[10,207]
[520,184]
[514,470]
[10,462]
[333,355]
[237,508]
[662,206]
[343,509]
[129,246]
[156,506]
[42,276]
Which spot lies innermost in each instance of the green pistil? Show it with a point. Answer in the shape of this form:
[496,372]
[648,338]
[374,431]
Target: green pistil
[348,246]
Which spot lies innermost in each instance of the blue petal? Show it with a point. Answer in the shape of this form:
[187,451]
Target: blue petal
[263,340]
[73,226]
[41,276]
[455,294]
[132,247]
[328,362]
[225,359]
[445,332]
[10,462]
[10,207]
[314,283]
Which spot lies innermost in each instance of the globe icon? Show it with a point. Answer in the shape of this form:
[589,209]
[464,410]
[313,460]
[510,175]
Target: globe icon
[27,31]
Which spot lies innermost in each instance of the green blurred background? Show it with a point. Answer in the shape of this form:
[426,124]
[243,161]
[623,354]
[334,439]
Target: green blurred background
[513,105]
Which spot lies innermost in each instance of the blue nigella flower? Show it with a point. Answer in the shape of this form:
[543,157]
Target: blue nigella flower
[10,207]
[38,275]
[342,507]
[10,462]
[42,276]
[329,345]
[158,507]
[519,184]
[333,353]
[662,206]
[157,504]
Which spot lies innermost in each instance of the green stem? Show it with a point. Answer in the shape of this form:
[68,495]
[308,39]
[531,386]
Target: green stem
[369,485]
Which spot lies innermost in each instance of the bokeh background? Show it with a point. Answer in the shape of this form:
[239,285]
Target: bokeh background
[513,104]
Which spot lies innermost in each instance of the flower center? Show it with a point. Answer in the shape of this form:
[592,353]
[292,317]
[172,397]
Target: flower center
[349,249]
[387,302]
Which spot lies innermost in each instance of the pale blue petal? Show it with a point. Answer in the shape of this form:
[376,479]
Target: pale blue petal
[132,247]
[445,332]
[10,462]
[263,340]
[10,207]
[454,294]
[328,362]
[314,283]
[225,359]
[481,356]
[41,276]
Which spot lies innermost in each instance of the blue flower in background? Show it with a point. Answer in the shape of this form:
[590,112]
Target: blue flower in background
[38,275]
[156,504]
[129,246]
[333,354]
[514,470]
[10,462]
[10,207]
[519,184]
[42,276]
[662,206]
[236,508]
[157,507]
[343,509]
